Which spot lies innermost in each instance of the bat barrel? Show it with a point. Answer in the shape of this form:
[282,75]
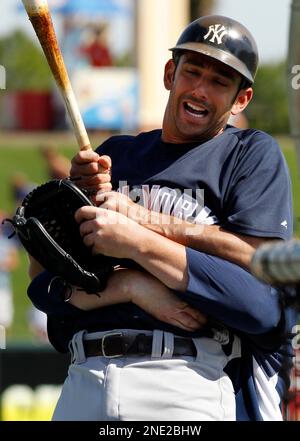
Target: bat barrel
[35,6]
[39,15]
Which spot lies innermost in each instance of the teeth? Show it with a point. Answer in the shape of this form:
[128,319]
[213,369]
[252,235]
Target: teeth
[195,111]
[198,109]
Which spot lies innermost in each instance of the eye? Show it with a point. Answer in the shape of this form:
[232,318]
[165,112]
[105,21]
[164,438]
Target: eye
[192,72]
[221,82]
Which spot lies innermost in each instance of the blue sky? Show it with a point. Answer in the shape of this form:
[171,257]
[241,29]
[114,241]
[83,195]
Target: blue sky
[268,20]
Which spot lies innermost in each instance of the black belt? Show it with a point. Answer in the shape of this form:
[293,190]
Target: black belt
[116,344]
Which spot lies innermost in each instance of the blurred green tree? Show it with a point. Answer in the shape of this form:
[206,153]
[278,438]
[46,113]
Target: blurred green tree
[269,109]
[26,67]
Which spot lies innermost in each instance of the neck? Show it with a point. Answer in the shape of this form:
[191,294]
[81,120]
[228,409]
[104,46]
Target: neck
[174,139]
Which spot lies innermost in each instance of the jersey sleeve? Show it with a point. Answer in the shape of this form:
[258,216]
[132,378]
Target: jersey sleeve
[229,294]
[258,200]
[50,303]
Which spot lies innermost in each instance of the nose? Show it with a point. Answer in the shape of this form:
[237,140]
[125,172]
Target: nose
[200,88]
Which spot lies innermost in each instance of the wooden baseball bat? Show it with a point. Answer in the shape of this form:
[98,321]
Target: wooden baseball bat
[40,17]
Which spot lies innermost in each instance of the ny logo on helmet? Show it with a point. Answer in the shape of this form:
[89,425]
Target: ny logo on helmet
[217,32]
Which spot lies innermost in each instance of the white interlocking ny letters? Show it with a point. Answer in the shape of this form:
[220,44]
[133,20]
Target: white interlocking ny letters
[217,32]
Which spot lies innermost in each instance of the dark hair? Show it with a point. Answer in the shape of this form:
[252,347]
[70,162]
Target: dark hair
[176,56]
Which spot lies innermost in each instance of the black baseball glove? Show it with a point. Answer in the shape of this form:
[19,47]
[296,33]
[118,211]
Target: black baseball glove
[46,226]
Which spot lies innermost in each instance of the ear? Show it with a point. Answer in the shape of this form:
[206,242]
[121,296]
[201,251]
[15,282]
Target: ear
[242,100]
[169,74]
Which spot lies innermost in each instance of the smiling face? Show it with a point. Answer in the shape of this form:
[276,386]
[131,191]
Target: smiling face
[203,94]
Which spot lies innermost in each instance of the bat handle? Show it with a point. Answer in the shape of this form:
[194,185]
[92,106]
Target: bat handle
[76,119]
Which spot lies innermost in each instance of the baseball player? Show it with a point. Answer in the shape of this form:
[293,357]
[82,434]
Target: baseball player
[189,333]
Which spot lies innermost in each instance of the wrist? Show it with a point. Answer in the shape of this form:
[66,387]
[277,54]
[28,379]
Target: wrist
[139,214]
[138,243]
[82,300]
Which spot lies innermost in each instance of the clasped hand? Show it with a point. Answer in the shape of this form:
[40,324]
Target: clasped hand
[108,232]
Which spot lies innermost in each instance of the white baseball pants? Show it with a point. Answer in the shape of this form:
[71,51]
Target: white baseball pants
[154,387]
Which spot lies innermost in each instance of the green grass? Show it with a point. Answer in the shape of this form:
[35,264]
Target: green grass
[20,152]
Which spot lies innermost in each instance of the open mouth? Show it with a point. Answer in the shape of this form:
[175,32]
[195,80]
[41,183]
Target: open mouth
[196,111]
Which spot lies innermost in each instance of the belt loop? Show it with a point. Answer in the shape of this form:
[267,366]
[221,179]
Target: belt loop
[168,345]
[196,342]
[157,344]
[71,352]
[76,348]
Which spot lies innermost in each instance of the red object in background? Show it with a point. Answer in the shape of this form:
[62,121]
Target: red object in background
[98,54]
[34,110]
[294,406]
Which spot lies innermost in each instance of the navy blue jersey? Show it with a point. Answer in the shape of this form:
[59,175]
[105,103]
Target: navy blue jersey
[241,176]
[238,180]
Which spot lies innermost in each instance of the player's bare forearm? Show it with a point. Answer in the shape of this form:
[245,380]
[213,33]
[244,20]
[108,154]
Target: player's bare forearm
[163,258]
[146,292]
[116,291]
[211,239]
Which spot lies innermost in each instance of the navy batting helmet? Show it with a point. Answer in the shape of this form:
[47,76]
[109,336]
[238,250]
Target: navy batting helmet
[223,39]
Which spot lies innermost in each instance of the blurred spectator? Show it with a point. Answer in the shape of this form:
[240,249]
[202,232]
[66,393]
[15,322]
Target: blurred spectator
[58,165]
[9,260]
[96,50]
[37,321]
[20,187]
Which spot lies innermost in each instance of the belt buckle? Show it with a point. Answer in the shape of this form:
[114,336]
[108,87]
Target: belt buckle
[114,335]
